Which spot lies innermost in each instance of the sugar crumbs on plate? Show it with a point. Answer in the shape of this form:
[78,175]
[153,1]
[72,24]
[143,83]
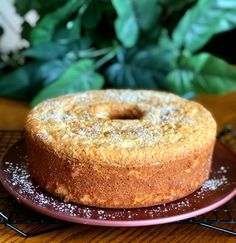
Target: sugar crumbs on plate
[19,178]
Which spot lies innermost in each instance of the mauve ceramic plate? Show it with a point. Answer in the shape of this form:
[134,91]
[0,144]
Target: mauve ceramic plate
[219,189]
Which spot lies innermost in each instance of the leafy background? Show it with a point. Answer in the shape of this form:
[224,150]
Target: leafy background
[92,44]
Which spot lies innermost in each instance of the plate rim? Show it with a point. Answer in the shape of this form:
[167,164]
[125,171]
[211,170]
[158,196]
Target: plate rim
[112,223]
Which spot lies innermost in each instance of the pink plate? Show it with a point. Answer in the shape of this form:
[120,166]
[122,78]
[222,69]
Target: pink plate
[219,189]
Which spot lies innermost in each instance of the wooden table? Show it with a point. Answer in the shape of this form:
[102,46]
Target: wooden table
[224,110]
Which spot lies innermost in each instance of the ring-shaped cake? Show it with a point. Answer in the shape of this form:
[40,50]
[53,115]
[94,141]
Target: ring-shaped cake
[120,148]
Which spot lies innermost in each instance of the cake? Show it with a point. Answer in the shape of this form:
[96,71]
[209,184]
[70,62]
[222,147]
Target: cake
[120,148]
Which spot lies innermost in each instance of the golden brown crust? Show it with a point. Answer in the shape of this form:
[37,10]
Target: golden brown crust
[130,163]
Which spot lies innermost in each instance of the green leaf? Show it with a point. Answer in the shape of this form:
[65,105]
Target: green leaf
[126,24]
[167,49]
[45,29]
[49,71]
[25,6]
[74,28]
[2,65]
[25,82]
[202,73]
[172,6]
[79,77]
[92,15]
[173,11]
[204,20]
[68,33]
[20,83]
[139,68]
[147,13]
[46,51]
[133,18]
[54,50]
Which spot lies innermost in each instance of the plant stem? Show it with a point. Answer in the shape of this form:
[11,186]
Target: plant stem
[110,55]
[94,53]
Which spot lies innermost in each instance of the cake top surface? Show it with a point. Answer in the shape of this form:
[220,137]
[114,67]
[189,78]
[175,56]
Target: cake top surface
[138,124]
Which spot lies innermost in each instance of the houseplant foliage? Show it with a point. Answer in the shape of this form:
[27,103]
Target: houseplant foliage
[90,44]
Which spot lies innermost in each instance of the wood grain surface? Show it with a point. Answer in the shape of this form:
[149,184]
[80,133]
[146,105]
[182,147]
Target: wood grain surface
[163,233]
[224,110]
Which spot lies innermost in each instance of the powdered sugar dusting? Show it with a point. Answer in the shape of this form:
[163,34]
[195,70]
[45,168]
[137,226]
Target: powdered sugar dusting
[218,181]
[75,119]
[19,179]
[213,184]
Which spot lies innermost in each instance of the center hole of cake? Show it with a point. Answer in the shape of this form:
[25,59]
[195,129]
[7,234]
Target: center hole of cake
[119,112]
[124,113]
